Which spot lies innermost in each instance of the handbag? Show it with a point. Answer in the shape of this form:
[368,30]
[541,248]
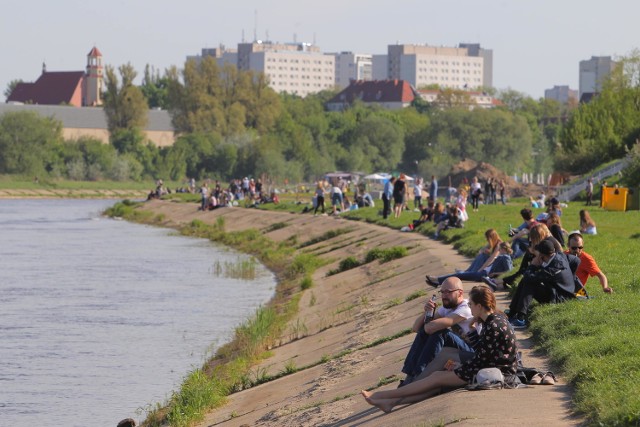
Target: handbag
[487,379]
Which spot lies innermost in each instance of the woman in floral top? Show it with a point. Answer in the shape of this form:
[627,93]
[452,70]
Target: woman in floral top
[495,347]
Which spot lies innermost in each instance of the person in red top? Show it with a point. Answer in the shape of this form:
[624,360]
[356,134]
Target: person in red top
[588,267]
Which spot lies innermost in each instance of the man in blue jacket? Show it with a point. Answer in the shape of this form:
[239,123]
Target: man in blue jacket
[387,193]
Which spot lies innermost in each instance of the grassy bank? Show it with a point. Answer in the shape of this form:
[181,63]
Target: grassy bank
[594,343]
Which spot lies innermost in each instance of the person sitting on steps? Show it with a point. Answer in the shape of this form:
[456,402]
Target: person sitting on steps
[437,333]
[495,347]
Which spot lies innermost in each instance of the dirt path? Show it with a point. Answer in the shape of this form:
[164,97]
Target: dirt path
[346,311]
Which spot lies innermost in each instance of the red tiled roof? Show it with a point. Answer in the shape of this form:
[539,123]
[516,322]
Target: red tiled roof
[371,91]
[94,52]
[52,88]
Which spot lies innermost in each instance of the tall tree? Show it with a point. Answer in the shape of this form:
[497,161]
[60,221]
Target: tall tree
[124,104]
[227,101]
[195,103]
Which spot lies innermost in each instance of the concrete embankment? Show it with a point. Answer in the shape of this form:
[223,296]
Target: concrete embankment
[348,311]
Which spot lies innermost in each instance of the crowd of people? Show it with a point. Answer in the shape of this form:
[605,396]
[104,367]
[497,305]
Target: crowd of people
[247,190]
[457,339]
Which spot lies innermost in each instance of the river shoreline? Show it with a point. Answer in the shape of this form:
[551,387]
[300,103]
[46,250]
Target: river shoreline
[338,320]
[71,194]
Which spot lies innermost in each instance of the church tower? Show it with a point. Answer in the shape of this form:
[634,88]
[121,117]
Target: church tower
[93,79]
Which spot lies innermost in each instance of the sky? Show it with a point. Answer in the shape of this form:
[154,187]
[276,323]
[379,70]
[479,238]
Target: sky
[536,44]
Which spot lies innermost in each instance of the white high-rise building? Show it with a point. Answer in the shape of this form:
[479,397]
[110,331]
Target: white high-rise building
[352,66]
[474,49]
[454,67]
[593,72]
[296,68]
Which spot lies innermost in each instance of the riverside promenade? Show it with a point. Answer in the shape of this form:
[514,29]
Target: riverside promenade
[345,312]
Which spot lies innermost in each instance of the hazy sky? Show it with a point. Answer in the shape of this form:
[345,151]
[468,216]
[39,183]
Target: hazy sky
[536,44]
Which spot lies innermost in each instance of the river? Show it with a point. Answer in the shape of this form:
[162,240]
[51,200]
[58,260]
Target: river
[100,318]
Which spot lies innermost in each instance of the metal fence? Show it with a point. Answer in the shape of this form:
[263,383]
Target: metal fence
[566,193]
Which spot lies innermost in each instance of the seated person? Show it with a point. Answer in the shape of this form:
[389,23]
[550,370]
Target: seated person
[502,264]
[519,241]
[453,220]
[553,205]
[548,279]
[537,234]
[438,212]
[534,203]
[495,347]
[213,203]
[587,225]
[438,332]
[554,224]
[426,214]
[367,201]
[588,266]
[488,253]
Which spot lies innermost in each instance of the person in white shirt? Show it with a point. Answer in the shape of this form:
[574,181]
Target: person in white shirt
[451,322]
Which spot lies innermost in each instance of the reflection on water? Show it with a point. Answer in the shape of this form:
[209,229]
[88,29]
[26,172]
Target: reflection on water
[101,317]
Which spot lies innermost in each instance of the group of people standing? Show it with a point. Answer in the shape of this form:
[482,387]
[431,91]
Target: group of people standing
[396,190]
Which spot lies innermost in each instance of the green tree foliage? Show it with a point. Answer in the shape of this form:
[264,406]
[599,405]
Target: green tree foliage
[27,143]
[631,176]
[195,105]
[225,101]
[131,144]
[155,88]
[605,128]
[379,144]
[124,104]
[10,87]
[497,137]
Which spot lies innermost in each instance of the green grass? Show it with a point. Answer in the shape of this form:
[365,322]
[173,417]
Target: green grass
[595,344]
[385,255]
[326,236]
[346,264]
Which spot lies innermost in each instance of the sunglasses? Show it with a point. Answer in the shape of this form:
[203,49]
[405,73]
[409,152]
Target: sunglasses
[575,248]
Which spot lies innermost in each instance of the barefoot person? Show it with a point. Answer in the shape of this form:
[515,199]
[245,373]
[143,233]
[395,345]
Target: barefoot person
[495,348]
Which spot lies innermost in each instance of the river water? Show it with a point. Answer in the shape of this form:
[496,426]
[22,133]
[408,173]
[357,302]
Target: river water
[100,318]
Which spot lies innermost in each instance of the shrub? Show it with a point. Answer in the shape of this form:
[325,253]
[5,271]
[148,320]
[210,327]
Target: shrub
[306,282]
[386,255]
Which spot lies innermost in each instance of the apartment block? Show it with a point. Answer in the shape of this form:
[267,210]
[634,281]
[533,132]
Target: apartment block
[296,68]
[474,49]
[593,72]
[352,66]
[221,54]
[562,94]
[453,67]
[380,67]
